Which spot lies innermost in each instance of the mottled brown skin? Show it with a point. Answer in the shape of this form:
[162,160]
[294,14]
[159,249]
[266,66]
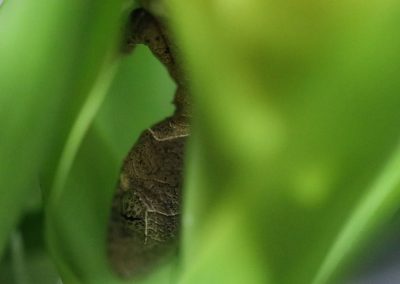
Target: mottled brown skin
[144,224]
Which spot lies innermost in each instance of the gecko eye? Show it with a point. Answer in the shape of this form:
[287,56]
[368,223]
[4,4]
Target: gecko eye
[130,218]
[131,207]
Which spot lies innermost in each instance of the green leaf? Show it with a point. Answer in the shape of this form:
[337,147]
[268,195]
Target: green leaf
[50,54]
[295,136]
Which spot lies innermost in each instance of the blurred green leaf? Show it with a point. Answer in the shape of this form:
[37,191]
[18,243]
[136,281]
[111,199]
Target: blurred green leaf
[51,54]
[296,131]
[25,259]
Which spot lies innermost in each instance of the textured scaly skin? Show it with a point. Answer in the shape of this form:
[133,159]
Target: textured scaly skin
[144,223]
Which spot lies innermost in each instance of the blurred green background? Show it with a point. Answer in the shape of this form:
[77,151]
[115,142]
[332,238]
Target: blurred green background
[293,166]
